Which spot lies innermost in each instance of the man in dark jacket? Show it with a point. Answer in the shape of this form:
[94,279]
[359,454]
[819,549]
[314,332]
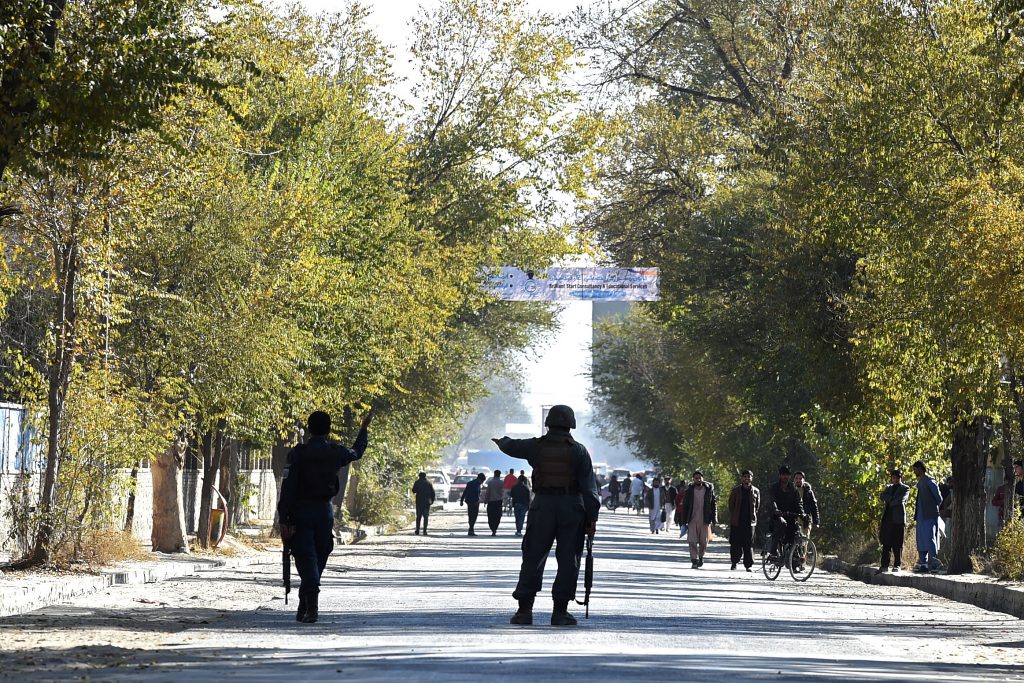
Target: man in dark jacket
[787,506]
[471,499]
[808,498]
[564,511]
[305,510]
[894,521]
[423,491]
[521,502]
[744,502]
[614,489]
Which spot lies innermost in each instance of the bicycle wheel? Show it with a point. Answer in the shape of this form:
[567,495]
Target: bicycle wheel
[803,559]
[771,569]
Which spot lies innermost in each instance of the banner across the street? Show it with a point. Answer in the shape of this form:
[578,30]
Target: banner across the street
[575,284]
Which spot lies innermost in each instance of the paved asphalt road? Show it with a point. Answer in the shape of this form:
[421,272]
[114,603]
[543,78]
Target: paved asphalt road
[407,608]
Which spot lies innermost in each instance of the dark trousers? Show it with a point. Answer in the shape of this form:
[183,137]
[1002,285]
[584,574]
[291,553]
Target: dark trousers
[422,513]
[494,514]
[554,519]
[472,509]
[892,544]
[520,511]
[313,542]
[783,531]
[741,544]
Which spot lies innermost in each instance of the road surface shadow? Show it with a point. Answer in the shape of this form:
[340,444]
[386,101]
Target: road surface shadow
[329,661]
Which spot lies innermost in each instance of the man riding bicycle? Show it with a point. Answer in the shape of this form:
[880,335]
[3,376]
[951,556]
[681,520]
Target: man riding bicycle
[786,507]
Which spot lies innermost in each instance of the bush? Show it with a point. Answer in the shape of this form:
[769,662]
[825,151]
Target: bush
[98,548]
[1008,554]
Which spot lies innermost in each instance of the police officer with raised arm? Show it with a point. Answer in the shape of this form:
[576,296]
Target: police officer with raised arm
[564,511]
[305,510]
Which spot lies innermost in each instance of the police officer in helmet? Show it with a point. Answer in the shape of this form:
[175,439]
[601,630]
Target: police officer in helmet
[305,510]
[564,511]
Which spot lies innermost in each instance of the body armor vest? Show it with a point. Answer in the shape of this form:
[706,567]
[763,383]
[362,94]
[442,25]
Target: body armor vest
[552,468]
[318,472]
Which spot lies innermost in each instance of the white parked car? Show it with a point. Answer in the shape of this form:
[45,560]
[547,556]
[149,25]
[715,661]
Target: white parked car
[442,484]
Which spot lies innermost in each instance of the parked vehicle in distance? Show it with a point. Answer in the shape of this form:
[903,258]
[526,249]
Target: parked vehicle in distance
[442,485]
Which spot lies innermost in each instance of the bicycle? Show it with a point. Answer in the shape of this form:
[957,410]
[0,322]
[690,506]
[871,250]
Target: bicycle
[611,503]
[799,555]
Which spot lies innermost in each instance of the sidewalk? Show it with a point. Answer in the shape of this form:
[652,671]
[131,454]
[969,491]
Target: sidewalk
[979,590]
[25,591]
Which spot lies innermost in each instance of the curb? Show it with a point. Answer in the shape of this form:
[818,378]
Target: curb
[32,592]
[973,589]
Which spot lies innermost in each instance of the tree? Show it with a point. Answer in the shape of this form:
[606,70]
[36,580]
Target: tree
[74,74]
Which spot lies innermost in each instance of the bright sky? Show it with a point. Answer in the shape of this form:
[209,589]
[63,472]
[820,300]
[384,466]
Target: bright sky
[556,371]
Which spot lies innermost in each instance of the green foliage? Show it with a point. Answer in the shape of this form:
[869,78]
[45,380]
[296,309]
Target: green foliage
[74,74]
[1008,554]
[831,193]
[246,234]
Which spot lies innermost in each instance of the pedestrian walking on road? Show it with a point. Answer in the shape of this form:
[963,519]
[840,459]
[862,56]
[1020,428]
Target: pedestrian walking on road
[423,492]
[471,499]
[655,501]
[926,514]
[564,512]
[636,492]
[508,482]
[893,526]
[305,510]
[669,506]
[744,502]
[495,501]
[699,512]
[521,497]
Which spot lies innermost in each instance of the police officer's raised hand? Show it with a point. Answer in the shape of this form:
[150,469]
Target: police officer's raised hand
[367,419]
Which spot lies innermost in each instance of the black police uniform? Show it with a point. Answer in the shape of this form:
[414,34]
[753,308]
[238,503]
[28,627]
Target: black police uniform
[310,482]
[566,500]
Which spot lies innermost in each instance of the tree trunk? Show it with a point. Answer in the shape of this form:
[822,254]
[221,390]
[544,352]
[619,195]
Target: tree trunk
[228,475]
[169,534]
[213,454]
[129,517]
[969,457]
[58,378]
[205,491]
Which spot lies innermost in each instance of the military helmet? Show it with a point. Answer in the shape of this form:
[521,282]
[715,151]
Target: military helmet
[561,416]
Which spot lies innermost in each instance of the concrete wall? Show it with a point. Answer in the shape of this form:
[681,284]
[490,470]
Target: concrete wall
[261,502]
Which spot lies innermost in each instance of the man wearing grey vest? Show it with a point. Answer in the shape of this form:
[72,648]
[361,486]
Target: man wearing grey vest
[563,512]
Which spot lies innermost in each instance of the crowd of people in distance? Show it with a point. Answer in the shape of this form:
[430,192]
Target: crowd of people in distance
[692,508]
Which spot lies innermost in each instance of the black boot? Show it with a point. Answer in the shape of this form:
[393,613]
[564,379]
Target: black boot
[524,615]
[560,615]
[302,607]
[312,613]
